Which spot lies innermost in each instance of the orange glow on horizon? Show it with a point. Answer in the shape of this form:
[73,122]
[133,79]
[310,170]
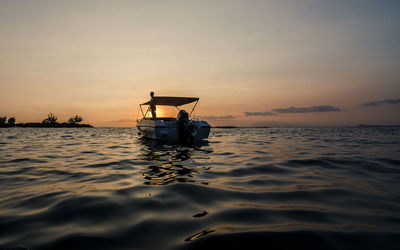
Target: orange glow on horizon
[275,56]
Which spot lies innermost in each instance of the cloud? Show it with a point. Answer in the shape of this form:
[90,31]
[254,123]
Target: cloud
[214,117]
[265,113]
[326,108]
[386,101]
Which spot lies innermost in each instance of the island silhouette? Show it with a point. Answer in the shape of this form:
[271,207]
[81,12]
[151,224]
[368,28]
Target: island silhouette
[49,122]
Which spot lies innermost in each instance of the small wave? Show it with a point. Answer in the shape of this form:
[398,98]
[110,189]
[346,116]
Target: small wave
[40,201]
[75,241]
[107,178]
[89,152]
[31,160]
[262,169]
[352,165]
[329,240]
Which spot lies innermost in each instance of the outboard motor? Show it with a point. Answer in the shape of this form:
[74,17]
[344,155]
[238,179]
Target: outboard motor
[185,129]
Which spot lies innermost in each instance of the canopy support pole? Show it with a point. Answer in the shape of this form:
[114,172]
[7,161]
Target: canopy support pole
[141,110]
[147,111]
[193,108]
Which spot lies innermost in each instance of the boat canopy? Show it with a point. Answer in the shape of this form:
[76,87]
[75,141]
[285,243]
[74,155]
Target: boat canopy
[171,101]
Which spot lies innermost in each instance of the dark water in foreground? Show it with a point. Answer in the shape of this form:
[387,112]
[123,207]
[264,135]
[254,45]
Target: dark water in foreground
[272,188]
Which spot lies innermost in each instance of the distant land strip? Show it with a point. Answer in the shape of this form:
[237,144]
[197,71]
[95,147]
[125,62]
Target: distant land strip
[49,122]
[43,125]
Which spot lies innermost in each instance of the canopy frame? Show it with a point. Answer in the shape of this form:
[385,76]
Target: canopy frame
[168,102]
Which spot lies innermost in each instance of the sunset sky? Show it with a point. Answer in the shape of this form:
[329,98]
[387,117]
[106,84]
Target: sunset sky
[253,63]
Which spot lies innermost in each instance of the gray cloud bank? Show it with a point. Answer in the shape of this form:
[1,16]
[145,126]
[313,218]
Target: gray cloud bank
[214,117]
[266,113]
[292,109]
[325,108]
[386,101]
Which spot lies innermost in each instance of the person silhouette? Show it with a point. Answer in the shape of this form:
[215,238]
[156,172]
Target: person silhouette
[153,106]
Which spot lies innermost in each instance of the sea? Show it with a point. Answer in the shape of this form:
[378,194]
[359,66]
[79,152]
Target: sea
[242,188]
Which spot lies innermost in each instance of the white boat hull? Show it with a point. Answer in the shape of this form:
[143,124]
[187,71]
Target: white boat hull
[165,129]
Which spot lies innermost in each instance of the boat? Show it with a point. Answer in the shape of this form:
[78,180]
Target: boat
[181,128]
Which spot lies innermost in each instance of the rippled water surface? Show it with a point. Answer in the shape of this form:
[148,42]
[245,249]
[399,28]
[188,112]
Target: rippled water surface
[105,188]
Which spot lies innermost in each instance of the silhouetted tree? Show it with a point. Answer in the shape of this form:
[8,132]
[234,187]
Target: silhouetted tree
[3,120]
[11,121]
[51,119]
[75,119]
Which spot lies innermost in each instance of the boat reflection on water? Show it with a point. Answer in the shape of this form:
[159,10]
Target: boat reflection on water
[172,162]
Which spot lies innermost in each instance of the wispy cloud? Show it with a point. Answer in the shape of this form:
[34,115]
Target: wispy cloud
[243,89]
[386,101]
[265,113]
[326,108]
[216,117]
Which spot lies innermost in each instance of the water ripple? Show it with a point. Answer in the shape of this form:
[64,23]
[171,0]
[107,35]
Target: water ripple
[325,188]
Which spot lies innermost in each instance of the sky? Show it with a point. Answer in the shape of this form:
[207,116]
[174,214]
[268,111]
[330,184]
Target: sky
[251,63]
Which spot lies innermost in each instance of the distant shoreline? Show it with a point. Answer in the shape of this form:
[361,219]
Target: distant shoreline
[238,127]
[69,125]
[345,126]
[42,125]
